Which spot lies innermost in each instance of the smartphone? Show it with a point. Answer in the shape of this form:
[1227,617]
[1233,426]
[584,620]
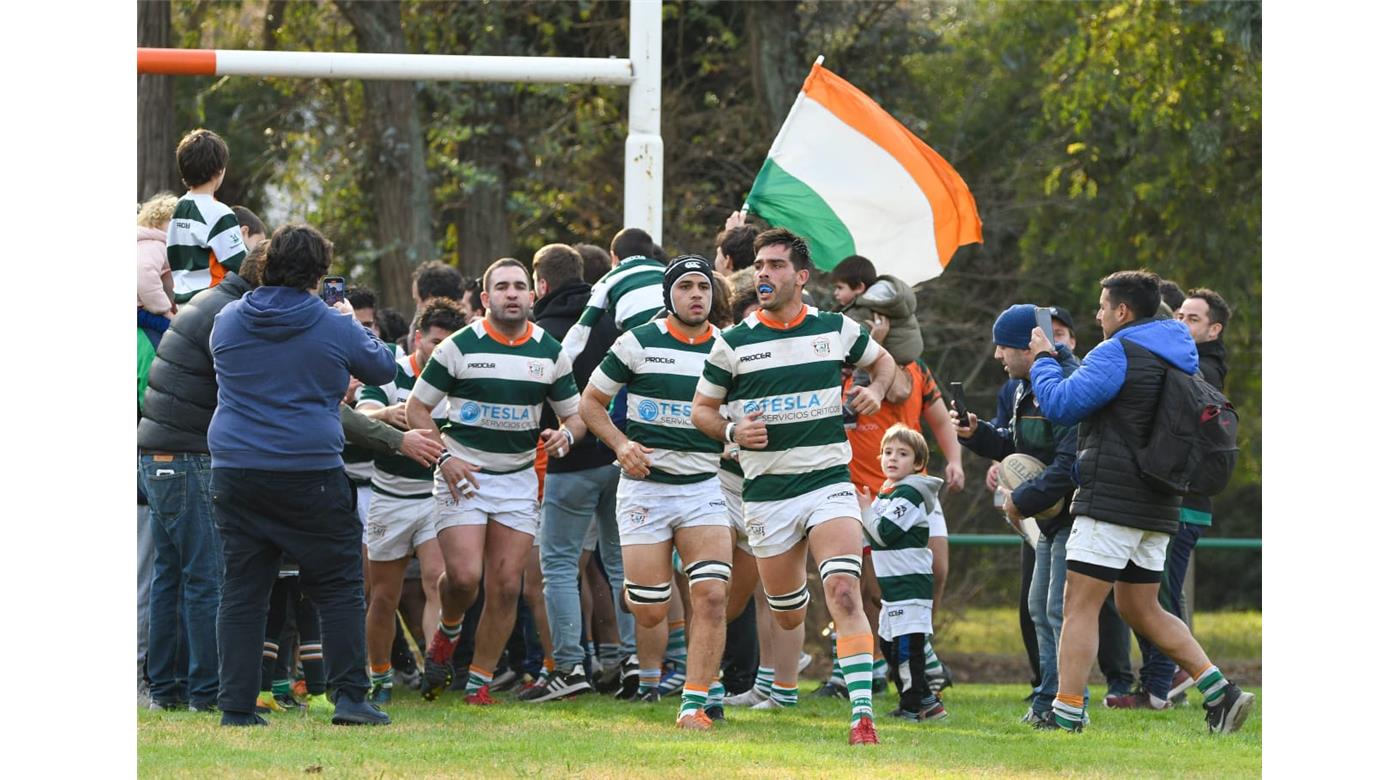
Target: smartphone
[1042,321]
[333,290]
[955,389]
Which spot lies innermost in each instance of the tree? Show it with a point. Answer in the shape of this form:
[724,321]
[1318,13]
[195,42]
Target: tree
[155,108]
[396,174]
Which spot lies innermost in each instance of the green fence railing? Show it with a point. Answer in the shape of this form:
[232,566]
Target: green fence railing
[1011,540]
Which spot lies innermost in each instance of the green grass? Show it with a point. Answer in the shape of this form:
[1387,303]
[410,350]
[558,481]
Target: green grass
[599,738]
[1225,635]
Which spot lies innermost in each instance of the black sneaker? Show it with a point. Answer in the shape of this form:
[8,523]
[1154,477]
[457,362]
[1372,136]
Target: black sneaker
[649,696]
[558,685]
[715,713]
[1231,711]
[349,712]
[288,702]
[608,680]
[878,685]
[242,719]
[943,678]
[1053,723]
[831,689]
[631,678]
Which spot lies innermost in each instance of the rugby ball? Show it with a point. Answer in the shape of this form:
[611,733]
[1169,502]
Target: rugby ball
[1016,469]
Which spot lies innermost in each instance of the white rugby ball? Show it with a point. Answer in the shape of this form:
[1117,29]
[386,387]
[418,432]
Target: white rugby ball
[1016,469]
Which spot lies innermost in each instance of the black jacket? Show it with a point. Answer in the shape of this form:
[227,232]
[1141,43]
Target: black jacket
[1213,368]
[1114,396]
[556,313]
[1028,431]
[181,392]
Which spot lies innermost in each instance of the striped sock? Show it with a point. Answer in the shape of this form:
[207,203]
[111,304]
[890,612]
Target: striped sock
[478,678]
[931,662]
[838,675]
[692,699]
[1069,710]
[785,694]
[881,670]
[450,630]
[313,665]
[715,697]
[548,665]
[855,654]
[381,675]
[281,687]
[675,645]
[1211,683]
[763,683]
[647,680]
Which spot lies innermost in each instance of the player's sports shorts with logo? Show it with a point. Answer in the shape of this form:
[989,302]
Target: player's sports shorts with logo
[1113,552]
[774,527]
[397,526]
[650,512]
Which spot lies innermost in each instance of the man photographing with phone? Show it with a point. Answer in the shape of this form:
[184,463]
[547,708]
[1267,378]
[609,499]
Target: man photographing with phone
[283,360]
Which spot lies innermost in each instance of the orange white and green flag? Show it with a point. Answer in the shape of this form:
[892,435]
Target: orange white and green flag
[850,179]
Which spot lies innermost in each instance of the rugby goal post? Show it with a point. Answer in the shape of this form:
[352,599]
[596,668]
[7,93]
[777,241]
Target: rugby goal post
[640,73]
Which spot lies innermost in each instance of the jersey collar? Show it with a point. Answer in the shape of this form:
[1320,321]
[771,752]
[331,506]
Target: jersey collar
[498,336]
[684,339]
[773,323]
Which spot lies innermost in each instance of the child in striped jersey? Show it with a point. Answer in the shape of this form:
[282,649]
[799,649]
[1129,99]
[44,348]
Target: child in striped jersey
[897,525]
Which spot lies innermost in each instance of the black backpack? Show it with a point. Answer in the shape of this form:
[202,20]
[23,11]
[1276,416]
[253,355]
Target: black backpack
[1192,448]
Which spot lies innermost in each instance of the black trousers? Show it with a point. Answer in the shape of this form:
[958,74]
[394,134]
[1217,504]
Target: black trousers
[1028,637]
[309,516]
[739,666]
[905,657]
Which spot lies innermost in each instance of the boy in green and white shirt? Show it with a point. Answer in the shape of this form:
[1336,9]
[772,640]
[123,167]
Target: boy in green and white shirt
[897,526]
[203,241]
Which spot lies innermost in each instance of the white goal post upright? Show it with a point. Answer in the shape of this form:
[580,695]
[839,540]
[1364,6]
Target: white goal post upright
[641,73]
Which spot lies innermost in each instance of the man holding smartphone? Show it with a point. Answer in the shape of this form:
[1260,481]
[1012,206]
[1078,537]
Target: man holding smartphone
[496,375]
[283,360]
[1028,431]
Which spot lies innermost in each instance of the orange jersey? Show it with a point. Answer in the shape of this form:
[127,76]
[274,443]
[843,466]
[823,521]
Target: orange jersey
[870,429]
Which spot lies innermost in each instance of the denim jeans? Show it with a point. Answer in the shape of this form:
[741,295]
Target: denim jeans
[309,517]
[571,500]
[1047,605]
[1157,669]
[186,578]
[145,564]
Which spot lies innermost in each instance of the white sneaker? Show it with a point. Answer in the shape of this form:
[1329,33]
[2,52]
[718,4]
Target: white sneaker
[804,661]
[767,704]
[746,699]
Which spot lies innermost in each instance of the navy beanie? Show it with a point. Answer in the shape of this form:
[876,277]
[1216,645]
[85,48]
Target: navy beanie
[1013,328]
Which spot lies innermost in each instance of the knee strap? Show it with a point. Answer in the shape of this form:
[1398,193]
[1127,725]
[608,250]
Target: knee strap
[791,602]
[840,564]
[708,570]
[646,594]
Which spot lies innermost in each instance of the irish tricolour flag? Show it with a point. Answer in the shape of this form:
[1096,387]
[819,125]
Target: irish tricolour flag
[849,178]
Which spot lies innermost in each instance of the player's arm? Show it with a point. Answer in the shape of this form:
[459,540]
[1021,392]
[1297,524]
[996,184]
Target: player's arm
[716,380]
[428,391]
[631,456]
[866,400]
[563,398]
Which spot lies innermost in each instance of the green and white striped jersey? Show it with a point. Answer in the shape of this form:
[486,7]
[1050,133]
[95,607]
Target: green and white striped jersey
[660,370]
[792,374]
[897,526]
[202,243]
[397,475]
[495,389]
[629,293]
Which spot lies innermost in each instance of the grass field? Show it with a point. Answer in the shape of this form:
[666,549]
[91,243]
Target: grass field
[596,737]
[1233,635]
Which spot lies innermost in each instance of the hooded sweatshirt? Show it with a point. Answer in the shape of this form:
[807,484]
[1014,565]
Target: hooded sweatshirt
[153,280]
[283,359]
[893,298]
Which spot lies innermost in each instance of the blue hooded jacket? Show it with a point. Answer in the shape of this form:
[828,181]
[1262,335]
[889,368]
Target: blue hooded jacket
[1068,399]
[283,360]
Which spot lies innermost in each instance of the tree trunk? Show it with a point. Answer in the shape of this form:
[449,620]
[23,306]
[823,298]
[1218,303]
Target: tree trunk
[396,171]
[155,108]
[482,236]
[775,48]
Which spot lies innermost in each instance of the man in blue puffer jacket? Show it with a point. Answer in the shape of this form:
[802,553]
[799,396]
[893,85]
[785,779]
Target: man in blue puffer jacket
[1121,524]
[283,359]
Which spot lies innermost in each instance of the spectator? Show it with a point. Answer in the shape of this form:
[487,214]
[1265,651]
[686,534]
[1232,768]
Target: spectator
[283,361]
[1206,314]
[252,229]
[734,248]
[362,302]
[204,240]
[861,295]
[392,326]
[154,284]
[596,261]
[1122,526]
[1028,431]
[579,489]
[475,308]
[435,279]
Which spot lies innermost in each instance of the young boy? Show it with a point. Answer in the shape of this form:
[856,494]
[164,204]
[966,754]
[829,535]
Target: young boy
[862,295]
[897,525]
[203,241]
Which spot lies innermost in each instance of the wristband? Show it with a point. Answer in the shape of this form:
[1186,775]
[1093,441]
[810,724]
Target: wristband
[729,432]
[568,435]
[443,457]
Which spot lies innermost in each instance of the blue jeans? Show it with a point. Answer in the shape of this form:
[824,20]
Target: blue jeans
[145,562]
[186,578]
[1047,605]
[571,500]
[1157,669]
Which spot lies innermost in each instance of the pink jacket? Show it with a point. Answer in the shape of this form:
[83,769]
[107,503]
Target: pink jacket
[153,281]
